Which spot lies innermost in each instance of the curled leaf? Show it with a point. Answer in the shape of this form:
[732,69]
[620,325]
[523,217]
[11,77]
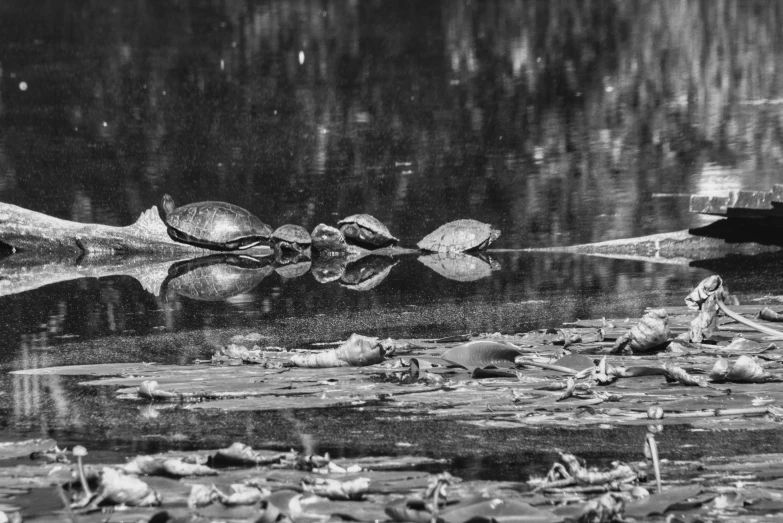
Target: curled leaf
[117,488]
[651,331]
[354,489]
[678,374]
[706,288]
[768,314]
[201,496]
[706,322]
[358,351]
[744,370]
[149,389]
[241,495]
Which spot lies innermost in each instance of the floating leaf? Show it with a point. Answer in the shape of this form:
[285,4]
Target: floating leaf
[660,503]
[576,362]
[498,509]
[481,354]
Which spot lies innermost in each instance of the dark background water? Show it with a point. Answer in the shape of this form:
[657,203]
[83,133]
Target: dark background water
[559,122]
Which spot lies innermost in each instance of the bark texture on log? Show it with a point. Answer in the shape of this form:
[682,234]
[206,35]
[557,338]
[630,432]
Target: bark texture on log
[24,230]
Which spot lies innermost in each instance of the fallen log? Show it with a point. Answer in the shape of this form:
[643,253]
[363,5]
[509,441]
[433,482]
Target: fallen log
[23,230]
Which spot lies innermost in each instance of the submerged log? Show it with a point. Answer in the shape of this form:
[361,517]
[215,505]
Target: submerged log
[682,247]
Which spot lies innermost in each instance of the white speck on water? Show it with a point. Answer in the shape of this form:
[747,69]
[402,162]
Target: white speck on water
[23,86]
[222,65]
[164,93]
[609,88]
[301,57]
[105,124]
[275,111]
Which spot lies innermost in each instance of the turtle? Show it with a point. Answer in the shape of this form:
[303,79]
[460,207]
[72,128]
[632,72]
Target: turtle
[459,236]
[366,230]
[216,277]
[329,241]
[292,238]
[214,225]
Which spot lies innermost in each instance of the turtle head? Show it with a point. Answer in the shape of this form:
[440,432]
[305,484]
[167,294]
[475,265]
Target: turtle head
[167,204]
[329,239]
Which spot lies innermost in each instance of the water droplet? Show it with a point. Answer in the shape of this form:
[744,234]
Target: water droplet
[23,86]
[301,57]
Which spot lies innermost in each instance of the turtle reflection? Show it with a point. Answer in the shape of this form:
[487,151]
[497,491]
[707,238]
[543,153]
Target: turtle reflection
[294,269]
[366,273]
[217,277]
[329,268]
[460,266]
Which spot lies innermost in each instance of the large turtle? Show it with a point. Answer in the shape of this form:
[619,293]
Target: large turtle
[214,225]
[366,230]
[459,236]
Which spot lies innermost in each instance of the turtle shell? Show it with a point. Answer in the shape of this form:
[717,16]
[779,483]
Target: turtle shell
[292,234]
[366,230]
[459,236]
[215,225]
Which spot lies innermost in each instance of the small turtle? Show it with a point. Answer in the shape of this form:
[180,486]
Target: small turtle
[292,238]
[459,236]
[366,230]
[214,225]
[329,241]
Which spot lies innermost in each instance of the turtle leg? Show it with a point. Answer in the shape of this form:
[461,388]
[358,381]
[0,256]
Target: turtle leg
[242,246]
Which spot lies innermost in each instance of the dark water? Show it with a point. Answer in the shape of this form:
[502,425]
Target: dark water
[558,122]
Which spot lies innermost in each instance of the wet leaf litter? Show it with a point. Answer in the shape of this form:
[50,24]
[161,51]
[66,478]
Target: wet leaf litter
[710,365]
